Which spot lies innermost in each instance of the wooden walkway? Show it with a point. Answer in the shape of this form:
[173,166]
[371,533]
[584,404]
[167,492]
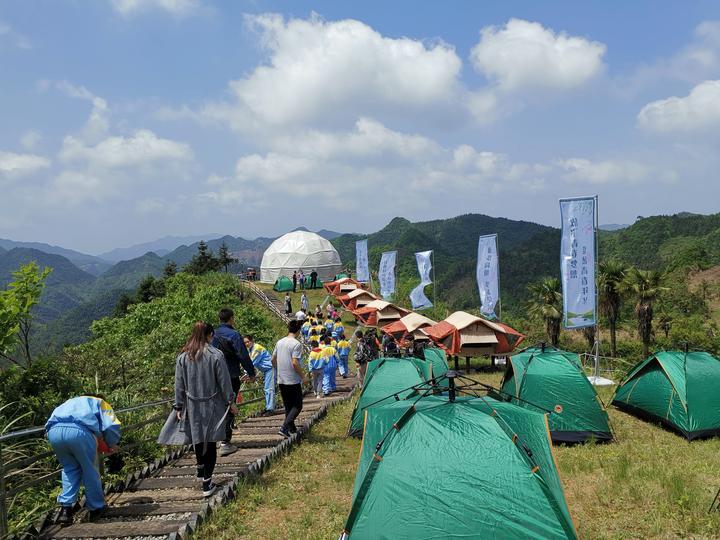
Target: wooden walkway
[165,500]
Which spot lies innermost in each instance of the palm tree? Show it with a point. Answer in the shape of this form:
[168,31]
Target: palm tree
[645,286]
[612,275]
[546,304]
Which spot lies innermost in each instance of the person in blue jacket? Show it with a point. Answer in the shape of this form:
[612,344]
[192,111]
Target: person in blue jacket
[262,361]
[77,429]
[329,356]
[343,351]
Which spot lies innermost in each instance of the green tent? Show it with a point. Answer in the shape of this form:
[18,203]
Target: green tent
[553,381]
[340,276]
[679,389]
[475,468]
[283,284]
[319,284]
[385,378]
[439,364]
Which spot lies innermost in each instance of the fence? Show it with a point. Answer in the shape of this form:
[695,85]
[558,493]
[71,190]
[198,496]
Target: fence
[13,470]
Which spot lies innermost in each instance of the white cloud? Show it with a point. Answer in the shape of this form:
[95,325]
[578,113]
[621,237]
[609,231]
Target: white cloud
[8,35]
[30,139]
[585,171]
[141,148]
[697,111]
[524,55]
[98,123]
[321,72]
[177,8]
[699,60]
[14,165]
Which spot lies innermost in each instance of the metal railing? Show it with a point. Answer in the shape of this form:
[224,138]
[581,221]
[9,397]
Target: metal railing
[265,299]
[13,469]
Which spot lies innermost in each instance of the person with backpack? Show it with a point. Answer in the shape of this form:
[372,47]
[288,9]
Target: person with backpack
[204,398]
[262,361]
[361,356]
[230,342]
[77,430]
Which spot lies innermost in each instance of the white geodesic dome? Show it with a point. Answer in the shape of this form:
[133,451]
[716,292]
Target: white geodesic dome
[300,250]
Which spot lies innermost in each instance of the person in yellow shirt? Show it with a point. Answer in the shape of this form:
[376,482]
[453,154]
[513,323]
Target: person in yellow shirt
[343,351]
[329,354]
[316,364]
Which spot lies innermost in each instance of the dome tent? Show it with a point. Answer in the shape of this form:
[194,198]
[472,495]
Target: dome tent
[678,389]
[283,284]
[299,250]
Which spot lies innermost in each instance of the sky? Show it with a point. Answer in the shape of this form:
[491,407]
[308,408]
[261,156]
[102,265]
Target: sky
[122,121]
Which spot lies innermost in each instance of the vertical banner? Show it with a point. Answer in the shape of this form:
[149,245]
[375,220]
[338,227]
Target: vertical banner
[487,275]
[577,261]
[362,270]
[386,274]
[417,295]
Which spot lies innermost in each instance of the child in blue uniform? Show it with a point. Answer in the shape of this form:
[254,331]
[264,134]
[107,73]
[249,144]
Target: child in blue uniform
[338,328]
[76,429]
[329,354]
[343,351]
[316,365]
[262,361]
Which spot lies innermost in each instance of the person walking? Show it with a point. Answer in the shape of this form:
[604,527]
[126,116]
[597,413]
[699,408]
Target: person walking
[318,313]
[313,279]
[262,361]
[204,398]
[287,361]
[230,342]
[304,302]
[295,278]
[301,278]
[76,430]
[288,304]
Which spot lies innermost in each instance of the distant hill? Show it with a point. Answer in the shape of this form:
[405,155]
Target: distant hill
[613,227]
[161,247]
[89,263]
[527,250]
[326,234]
[249,252]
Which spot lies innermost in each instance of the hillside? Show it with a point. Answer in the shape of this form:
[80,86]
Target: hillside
[527,251]
[88,263]
[248,251]
[161,246]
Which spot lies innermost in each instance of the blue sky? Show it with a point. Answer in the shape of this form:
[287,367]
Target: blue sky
[122,121]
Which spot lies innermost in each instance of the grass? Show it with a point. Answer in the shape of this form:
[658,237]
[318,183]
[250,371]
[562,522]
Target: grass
[306,495]
[649,483]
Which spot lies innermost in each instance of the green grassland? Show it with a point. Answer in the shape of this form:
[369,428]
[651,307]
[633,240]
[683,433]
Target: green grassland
[649,483]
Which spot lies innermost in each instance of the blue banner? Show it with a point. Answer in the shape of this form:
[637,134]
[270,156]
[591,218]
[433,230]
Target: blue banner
[417,295]
[362,268]
[487,274]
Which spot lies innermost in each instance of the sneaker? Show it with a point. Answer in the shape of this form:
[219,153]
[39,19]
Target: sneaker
[267,412]
[226,449]
[209,487]
[96,514]
[65,516]
[284,433]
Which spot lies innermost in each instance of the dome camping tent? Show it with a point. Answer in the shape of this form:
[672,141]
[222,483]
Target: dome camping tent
[470,468]
[678,389]
[299,250]
[386,377]
[283,284]
[467,335]
[553,381]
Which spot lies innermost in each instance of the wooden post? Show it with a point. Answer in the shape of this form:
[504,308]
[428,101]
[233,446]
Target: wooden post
[467,364]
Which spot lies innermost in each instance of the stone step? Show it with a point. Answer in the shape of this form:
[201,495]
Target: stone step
[114,529]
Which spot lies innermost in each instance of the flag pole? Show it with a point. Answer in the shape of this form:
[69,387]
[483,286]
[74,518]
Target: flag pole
[497,255]
[434,285]
[597,290]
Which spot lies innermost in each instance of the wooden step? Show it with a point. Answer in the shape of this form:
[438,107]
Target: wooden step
[154,509]
[148,496]
[114,529]
[192,471]
[174,482]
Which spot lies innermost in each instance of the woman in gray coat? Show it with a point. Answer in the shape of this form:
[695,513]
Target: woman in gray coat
[203,397]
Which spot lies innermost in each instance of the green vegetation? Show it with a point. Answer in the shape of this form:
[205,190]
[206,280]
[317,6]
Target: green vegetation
[649,483]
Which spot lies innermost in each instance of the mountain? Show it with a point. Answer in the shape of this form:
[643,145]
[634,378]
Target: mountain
[127,274]
[613,226]
[89,263]
[161,247]
[249,252]
[527,251]
[328,235]
[65,287]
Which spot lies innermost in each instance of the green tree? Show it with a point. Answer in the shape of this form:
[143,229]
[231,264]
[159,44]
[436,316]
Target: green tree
[122,305]
[645,286]
[16,303]
[546,304]
[149,289]
[225,258]
[611,280]
[203,261]
[170,269]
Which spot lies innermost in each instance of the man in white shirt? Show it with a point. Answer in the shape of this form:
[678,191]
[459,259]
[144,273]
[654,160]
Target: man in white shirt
[300,315]
[287,361]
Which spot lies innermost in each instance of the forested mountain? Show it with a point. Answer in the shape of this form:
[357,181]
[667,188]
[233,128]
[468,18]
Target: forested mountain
[161,246]
[88,263]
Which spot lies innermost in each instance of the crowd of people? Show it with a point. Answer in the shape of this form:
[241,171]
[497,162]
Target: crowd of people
[209,374]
